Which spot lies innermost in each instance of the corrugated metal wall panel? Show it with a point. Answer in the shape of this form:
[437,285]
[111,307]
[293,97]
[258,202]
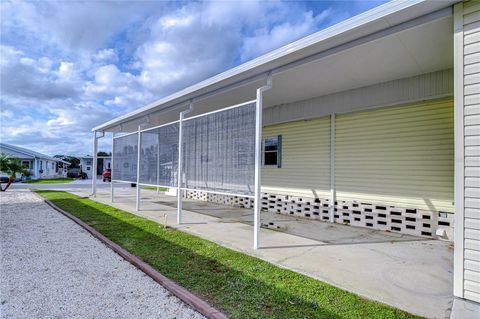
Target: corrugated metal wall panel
[305,167]
[471,99]
[400,156]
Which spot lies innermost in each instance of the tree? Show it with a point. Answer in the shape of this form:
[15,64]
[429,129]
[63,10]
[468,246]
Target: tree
[11,166]
[101,153]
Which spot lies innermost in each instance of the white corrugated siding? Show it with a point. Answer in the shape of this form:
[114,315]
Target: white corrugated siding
[471,42]
[305,167]
[401,156]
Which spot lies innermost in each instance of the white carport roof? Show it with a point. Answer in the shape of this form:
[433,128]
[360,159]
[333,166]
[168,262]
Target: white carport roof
[396,40]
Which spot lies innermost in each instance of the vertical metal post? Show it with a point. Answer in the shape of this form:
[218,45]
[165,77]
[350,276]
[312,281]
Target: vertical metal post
[111,168]
[258,161]
[94,164]
[139,140]
[158,163]
[180,162]
[331,202]
[179,170]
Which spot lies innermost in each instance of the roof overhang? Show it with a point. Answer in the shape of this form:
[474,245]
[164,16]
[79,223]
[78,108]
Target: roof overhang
[396,40]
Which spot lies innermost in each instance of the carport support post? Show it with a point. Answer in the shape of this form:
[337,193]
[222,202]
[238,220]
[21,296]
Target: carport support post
[94,168]
[158,164]
[111,169]
[139,149]
[179,170]
[180,161]
[258,161]
[331,202]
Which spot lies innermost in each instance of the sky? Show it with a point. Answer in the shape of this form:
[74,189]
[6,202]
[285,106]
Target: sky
[67,66]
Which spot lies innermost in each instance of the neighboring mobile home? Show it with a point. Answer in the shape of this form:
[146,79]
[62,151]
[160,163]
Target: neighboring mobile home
[86,164]
[373,122]
[39,165]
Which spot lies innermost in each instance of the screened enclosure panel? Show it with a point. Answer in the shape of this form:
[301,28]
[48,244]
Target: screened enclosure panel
[159,156]
[125,150]
[219,151]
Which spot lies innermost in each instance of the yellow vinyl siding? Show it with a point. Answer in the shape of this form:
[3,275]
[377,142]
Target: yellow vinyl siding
[401,156]
[305,162]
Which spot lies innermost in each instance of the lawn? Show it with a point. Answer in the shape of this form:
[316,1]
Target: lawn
[50,181]
[240,285]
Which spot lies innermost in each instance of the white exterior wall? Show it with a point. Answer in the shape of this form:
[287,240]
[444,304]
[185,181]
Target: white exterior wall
[467,150]
[86,164]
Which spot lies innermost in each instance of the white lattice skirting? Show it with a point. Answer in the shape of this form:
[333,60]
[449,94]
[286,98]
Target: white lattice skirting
[409,221]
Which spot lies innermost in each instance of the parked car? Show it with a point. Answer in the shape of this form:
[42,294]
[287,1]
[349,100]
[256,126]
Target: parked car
[4,178]
[107,175]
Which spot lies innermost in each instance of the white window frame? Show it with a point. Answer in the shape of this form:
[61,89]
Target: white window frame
[278,151]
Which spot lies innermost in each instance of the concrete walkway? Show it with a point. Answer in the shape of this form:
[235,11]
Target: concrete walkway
[51,268]
[410,273]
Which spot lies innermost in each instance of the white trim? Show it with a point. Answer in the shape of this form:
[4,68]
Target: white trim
[120,181]
[126,134]
[154,185]
[459,180]
[214,192]
[158,126]
[220,110]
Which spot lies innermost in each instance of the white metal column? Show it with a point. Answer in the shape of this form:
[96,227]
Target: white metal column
[139,149]
[94,164]
[180,163]
[158,163]
[331,202]
[111,169]
[258,161]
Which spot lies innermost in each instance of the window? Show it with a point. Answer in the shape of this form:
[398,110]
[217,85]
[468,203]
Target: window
[53,165]
[26,164]
[272,151]
[41,164]
[88,168]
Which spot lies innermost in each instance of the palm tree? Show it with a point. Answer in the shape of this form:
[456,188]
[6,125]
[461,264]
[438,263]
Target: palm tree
[11,166]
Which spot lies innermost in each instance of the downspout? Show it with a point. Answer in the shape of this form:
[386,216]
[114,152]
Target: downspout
[258,160]
[180,161]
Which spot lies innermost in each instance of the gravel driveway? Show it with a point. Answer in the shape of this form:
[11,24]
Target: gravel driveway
[51,268]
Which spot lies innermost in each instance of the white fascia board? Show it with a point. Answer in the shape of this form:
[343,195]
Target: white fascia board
[376,19]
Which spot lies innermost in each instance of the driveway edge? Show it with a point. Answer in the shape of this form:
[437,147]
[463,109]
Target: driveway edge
[183,294]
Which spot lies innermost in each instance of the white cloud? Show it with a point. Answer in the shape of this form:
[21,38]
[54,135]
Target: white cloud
[68,66]
[265,39]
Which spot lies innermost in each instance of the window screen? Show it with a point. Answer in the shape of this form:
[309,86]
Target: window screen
[159,156]
[219,151]
[125,158]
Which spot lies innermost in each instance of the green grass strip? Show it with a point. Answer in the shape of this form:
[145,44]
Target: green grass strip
[242,286]
[154,188]
[49,181]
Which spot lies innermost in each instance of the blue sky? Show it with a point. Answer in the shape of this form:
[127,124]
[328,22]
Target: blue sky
[67,66]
